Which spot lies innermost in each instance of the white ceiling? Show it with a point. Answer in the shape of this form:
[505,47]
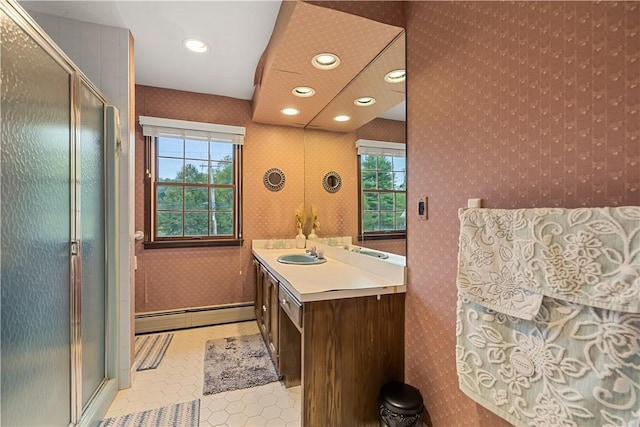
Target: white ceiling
[237,33]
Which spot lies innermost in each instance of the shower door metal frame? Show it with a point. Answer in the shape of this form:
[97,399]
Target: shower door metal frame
[79,415]
[77,83]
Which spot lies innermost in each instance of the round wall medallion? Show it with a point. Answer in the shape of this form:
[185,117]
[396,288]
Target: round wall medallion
[274,179]
[332,182]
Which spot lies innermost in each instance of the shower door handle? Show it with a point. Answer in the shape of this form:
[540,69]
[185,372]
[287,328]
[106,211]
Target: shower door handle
[75,248]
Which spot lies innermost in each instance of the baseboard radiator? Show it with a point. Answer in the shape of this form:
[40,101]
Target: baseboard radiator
[158,321]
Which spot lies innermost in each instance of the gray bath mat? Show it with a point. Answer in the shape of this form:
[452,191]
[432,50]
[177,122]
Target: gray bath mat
[235,363]
[186,414]
[150,350]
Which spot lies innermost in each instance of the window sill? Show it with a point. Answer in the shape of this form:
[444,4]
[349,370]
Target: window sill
[172,244]
[382,236]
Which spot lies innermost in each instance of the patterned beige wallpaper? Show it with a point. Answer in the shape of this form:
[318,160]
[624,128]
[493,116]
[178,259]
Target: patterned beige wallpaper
[177,278]
[522,104]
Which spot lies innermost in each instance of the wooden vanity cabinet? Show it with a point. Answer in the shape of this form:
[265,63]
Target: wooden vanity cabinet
[341,351]
[351,347]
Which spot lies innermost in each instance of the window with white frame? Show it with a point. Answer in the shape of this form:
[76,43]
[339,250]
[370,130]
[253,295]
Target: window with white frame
[193,188]
[383,189]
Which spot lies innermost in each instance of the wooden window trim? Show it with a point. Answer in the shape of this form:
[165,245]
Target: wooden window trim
[195,241]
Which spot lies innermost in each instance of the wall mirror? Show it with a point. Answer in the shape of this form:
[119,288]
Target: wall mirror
[332,182]
[274,179]
[339,211]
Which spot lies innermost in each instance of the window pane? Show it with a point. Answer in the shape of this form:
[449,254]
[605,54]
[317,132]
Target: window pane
[385,209]
[368,162]
[196,171]
[371,202]
[169,170]
[196,224]
[169,224]
[222,224]
[196,149]
[195,199]
[385,180]
[387,220]
[369,180]
[385,163]
[400,164]
[221,172]
[401,201]
[221,151]
[221,199]
[399,181]
[170,147]
[195,188]
[169,198]
[386,201]
[370,221]
[401,221]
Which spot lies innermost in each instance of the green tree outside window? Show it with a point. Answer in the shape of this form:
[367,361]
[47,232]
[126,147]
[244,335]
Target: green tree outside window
[195,196]
[383,184]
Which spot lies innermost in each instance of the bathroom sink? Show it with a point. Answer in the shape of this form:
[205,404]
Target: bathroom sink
[374,254]
[300,259]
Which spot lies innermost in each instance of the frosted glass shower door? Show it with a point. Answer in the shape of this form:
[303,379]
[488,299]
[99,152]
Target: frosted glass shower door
[35,233]
[91,234]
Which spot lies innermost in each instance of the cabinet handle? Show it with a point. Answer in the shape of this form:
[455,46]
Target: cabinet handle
[284,301]
[264,308]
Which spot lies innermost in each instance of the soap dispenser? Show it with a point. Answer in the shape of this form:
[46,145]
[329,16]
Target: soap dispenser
[301,241]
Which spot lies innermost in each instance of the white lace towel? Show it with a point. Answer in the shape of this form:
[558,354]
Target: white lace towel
[589,256]
[488,266]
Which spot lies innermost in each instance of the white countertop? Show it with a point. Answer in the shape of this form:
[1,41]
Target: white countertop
[346,278]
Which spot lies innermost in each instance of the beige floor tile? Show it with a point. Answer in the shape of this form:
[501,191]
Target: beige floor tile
[179,378]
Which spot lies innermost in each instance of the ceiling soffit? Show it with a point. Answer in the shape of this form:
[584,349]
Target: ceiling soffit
[303,30]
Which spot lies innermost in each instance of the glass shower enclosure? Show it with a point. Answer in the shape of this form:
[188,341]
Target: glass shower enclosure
[55,355]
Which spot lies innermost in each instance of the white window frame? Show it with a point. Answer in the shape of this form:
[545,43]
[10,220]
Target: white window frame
[155,127]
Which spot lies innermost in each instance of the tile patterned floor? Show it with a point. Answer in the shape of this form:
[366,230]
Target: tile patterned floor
[179,378]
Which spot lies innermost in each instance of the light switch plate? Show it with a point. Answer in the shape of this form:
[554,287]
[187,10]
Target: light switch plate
[423,208]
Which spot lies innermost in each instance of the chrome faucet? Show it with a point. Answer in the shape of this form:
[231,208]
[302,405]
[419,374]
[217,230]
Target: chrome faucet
[312,251]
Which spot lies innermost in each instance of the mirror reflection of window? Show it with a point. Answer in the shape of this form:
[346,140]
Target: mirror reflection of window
[383,189]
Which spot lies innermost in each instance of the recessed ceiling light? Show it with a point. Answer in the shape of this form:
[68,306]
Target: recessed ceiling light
[396,76]
[289,111]
[365,101]
[303,91]
[342,118]
[196,45]
[325,61]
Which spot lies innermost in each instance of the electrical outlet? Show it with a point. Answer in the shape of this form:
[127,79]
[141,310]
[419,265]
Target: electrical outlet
[423,208]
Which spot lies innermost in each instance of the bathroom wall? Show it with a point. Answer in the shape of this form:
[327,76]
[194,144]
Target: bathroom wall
[524,104]
[193,277]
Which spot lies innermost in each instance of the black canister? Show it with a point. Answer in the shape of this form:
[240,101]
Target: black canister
[401,405]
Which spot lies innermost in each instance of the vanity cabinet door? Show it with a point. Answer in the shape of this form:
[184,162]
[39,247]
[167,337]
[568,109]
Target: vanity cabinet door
[264,318]
[257,300]
[274,312]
